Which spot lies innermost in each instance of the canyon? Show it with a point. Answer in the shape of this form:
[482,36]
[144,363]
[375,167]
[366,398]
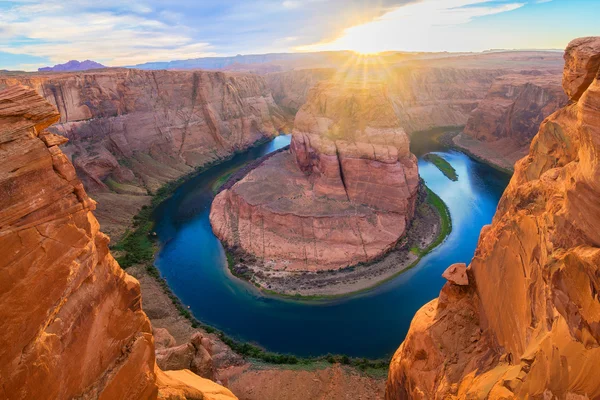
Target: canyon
[73,324]
[502,126]
[344,193]
[131,131]
[524,322]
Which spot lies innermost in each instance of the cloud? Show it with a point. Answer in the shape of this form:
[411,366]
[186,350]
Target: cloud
[421,26]
[120,35]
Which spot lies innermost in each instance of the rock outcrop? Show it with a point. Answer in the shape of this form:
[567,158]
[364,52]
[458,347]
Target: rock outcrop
[526,326]
[507,119]
[132,131]
[344,194]
[72,322]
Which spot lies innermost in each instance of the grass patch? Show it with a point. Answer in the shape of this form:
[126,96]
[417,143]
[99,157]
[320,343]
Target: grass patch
[442,165]
[446,220]
[221,181]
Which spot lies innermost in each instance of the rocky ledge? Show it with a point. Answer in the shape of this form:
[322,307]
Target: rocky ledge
[525,325]
[344,194]
[502,126]
[72,319]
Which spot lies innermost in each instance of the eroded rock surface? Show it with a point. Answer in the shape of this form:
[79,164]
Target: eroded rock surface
[72,322]
[527,324]
[507,119]
[343,194]
[132,131]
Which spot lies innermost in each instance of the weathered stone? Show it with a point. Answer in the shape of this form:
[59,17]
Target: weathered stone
[132,131]
[582,65]
[72,322]
[527,327]
[457,274]
[344,194]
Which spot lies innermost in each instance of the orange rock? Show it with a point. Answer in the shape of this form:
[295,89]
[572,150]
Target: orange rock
[72,322]
[457,274]
[527,326]
[72,319]
[344,194]
[132,131]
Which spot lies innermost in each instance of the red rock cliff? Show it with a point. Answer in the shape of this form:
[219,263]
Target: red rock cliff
[72,319]
[131,131]
[526,324]
[343,195]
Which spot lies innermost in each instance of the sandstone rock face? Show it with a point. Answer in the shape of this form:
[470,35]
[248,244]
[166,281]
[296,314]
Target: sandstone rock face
[72,322]
[457,274]
[343,194]
[502,126]
[515,106]
[527,325]
[194,355]
[423,97]
[131,131]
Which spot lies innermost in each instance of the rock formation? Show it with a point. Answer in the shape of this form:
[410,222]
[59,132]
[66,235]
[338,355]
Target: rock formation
[344,194]
[72,322]
[506,120]
[526,326]
[132,131]
[73,65]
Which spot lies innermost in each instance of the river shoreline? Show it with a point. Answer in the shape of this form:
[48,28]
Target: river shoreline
[430,227]
[137,257]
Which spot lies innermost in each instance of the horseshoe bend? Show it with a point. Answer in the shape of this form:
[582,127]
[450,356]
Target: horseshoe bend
[344,220]
[344,193]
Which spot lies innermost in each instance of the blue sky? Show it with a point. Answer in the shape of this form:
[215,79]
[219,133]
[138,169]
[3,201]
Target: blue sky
[36,33]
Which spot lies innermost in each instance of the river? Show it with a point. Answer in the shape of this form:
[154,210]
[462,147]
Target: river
[372,324]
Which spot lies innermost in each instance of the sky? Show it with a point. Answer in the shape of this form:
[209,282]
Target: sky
[36,33]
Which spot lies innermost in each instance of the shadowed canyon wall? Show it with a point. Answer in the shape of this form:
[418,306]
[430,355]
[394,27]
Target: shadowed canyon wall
[502,126]
[525,325]
[72,319]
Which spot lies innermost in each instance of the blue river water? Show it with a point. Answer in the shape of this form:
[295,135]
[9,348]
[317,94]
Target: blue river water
[372,324]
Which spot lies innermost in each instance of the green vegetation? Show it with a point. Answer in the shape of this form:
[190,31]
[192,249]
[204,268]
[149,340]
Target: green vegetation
[442,165]
[221,181]
[445,219]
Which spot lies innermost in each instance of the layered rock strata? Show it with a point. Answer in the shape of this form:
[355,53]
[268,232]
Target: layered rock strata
[526,325]
[131,131]
[72,322]
[344,194]
[507,119]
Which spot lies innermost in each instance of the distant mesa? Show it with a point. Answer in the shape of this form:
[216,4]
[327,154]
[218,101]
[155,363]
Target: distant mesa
[73,65]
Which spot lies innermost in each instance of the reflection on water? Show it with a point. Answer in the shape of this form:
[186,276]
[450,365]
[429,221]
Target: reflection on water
[370,325]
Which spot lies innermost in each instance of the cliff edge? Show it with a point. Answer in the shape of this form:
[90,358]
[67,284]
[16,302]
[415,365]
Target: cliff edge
[526,323]
[72,319]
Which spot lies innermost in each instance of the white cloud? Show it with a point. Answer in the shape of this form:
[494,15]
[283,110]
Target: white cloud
[420,26]
[59,33]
